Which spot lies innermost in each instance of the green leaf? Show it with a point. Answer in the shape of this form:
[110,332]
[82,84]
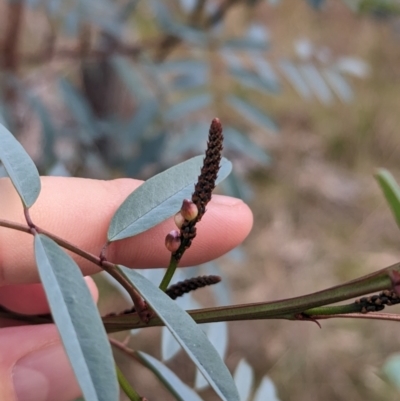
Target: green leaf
[188,334]
[391,369]
[19,167]
[78,321]
[159,198]
[80,110]
[179,390]
[187,106]
[391,191]
[244,378]
[253,114]
[235,140]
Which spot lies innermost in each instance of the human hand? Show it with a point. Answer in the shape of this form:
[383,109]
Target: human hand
[33,365]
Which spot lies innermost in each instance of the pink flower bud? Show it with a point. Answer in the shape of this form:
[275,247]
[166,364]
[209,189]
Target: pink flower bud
[173,240]
[189,210]
[179,219]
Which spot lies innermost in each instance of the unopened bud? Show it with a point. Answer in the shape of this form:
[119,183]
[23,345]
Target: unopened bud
[179,219]
[173,240]
[189,210]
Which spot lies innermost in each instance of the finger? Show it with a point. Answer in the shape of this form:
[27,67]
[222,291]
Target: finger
[30,299]
[27,365]
[80,210]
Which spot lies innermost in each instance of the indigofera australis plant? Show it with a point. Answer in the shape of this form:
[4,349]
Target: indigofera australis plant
[75,313]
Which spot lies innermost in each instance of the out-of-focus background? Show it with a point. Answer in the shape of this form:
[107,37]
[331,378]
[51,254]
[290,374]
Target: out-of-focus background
[308,95]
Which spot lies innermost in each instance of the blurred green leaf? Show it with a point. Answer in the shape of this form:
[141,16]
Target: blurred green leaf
[77,320]
[145,114]
[168,24]
[131,77]
[252,80]
[80,110]
[266,391]
[391,369]
[159,198]
[49,130]
[294,77]
[316,82]
[244,378]
[235,140]
[188,105]
[391,190]
[179,390]
[252,113]
[339,85]
[20,167]
[189,335]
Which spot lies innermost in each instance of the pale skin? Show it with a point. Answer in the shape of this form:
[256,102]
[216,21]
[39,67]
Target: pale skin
[33,365]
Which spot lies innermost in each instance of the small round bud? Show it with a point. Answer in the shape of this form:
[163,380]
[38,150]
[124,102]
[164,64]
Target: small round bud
[179,219]
[173,240]
[189,210]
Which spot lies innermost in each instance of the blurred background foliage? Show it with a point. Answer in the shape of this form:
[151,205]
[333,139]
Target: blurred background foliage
[308,95]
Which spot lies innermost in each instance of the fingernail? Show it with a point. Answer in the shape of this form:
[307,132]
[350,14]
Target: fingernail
[45,375]
[225,200]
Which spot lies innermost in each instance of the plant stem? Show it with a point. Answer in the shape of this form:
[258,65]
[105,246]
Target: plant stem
[126,387]
[283,309]
[173,263]
[110,268]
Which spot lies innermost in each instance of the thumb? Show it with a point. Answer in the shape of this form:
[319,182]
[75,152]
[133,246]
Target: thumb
[33,365]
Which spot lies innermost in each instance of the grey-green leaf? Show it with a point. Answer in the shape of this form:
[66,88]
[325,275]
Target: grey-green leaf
[179,390]
[391,190]
[78,321]
[188,334]
[252,113]
[19,167]
[159,198]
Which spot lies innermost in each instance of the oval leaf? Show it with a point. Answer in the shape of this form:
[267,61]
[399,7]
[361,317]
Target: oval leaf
[168,378]
[78,321]
[188,334]
[391,190]
[20,167]
[159,198]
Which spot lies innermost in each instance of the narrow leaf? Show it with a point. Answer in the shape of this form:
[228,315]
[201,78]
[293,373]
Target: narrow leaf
[159,198]
[391,190]
[338,84]
[189,335]
[391,369]
[80,109]
[266,391]
[187,106]
[78,321]
[235,140]
[217,334]
[169,346]
[168,378]
[131,77]
[252,113]
[294,77]
[316,82]
[19,167]
[244,377]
